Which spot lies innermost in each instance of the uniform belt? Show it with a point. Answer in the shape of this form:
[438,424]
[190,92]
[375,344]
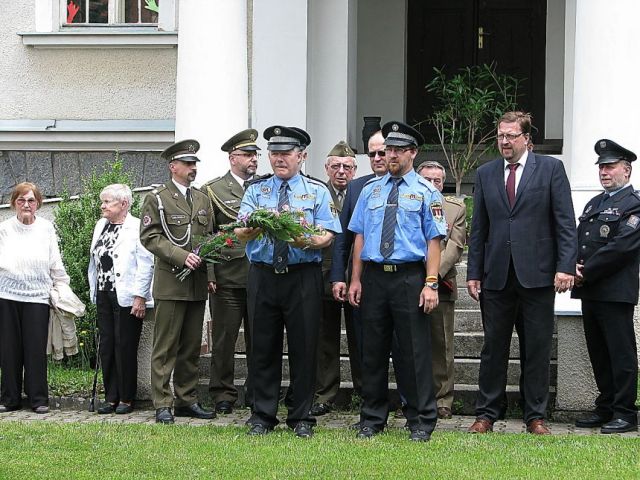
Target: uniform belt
[290,268]
[394,267]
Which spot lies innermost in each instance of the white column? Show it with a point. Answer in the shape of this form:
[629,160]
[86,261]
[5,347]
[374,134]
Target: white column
[212,79]
[331,84]
[279,67]
[601,91]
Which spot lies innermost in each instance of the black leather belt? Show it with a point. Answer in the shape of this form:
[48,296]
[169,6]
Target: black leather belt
[289,268]
[394,267]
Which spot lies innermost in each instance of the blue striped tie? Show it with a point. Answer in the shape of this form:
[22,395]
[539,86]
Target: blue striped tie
[280,247]
[389,222]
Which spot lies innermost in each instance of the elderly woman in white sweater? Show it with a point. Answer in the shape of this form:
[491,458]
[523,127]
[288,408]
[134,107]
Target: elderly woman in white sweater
[120,274]
[30,264]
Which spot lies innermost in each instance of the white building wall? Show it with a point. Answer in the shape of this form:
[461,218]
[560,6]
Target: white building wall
[79,84]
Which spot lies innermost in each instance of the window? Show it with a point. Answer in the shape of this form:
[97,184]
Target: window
[101,12]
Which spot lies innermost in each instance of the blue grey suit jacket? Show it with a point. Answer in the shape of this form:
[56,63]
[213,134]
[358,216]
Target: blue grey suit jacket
[343,242]
[538,234]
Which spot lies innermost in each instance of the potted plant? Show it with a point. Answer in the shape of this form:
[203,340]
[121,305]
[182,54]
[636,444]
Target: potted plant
[466,107]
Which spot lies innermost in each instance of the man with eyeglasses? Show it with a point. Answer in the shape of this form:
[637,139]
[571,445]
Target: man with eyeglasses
[398,224]
[228,292]
[284,288]
[522,251]
[442,330]
[340,168]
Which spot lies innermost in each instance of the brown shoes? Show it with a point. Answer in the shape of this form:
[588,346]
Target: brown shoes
[537,427]
[481,425]
[444,412]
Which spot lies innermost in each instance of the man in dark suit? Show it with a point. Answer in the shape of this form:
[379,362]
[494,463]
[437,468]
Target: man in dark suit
[342,248]
[228,292]
[340,168]
[522,250]
[607,283]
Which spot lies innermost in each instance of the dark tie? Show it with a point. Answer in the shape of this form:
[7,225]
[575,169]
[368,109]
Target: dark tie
[603,200]
[245,184]
[389,222]
[511,183]
[188,196]
[280,247]
[340,196]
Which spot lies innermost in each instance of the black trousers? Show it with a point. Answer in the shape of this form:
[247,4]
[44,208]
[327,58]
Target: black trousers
[24,329]
[119,338]
[277,301]
[611,341]
[500,310]
[228,308]
[389,303]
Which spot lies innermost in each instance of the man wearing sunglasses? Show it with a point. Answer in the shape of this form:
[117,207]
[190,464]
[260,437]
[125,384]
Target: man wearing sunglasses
[522,251]
[228,292]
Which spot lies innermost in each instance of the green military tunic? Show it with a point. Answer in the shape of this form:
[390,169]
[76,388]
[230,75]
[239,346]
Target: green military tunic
[167,229]
[228,305]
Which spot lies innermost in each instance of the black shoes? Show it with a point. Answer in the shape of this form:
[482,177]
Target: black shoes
[194,411]
[418,435]
[619,426]
[319,409]
[366,432]
[257,429]
[225,407]
[9,408]
[303,430]
[592,420]
[124,408]
[163,415]
[107,408]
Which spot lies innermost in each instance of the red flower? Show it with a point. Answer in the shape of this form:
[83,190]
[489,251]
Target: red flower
[229,242]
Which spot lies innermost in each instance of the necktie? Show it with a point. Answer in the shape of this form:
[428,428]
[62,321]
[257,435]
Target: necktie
[604,198]
[511,184]
[188,196]
[389,222]
[280,247]
[340,196]
[245,184]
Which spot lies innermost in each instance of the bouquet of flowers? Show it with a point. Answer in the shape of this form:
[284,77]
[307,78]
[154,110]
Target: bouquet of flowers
[210,249]
[286,225]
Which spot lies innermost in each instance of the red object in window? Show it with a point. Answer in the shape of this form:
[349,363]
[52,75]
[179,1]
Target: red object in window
[72,9]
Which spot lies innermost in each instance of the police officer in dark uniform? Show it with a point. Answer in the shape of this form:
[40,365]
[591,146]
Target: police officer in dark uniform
[398,222]
[607,283]
[172,215]
[285,285]
[228,298]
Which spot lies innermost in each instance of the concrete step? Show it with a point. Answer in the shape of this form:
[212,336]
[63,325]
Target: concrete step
[465,369]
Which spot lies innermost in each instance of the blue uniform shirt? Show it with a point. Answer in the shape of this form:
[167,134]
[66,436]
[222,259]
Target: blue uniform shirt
[420,218]
[305,194]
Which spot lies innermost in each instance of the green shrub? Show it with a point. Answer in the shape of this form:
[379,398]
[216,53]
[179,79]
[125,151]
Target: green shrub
[75,220]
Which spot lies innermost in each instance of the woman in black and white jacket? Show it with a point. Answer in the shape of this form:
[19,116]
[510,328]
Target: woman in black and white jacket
[120,275]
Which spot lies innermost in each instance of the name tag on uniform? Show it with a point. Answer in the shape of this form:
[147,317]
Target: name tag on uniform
[305,196]
[231,201]
[177,217]
[412,196]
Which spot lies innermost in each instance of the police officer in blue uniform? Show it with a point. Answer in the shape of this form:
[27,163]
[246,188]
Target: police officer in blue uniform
[398,222]
[285,284]
[607,283]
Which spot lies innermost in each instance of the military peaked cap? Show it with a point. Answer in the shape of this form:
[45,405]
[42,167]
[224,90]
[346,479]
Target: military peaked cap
[244,140]
[398,134]
[283,139]
[610,152]
[185,151]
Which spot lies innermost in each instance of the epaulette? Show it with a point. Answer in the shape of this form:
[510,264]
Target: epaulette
[313,179]
[427,183]
[259,179]
[455,200]
[371,180]
[200,192]
[159,189]
[212,181]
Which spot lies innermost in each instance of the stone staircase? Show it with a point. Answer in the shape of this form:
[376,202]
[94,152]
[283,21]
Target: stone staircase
[467,346]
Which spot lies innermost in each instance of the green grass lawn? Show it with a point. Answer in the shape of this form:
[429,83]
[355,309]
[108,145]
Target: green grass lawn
[104,451]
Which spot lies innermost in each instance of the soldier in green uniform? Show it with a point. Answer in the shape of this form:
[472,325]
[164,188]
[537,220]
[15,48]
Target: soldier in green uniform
[451,249]
[228,297]
[172,215]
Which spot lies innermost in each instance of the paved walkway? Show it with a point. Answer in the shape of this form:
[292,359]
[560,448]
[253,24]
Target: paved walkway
[333,420]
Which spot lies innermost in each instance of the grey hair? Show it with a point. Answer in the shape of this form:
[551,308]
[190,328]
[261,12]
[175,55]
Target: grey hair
[119,192]
[432,164]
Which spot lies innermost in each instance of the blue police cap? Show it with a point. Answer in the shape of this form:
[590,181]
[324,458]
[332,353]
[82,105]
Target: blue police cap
[610,152]
[398,134]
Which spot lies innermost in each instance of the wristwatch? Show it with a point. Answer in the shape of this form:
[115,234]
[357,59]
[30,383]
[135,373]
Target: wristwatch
[432,285]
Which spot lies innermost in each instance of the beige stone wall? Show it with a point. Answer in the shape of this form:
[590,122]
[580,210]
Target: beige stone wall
[80,84]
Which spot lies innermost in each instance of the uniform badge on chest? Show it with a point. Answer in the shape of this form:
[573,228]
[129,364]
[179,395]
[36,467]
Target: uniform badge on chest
[604,231]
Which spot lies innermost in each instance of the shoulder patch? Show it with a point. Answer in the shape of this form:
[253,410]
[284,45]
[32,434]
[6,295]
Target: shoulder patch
[146,220]
[212,181]
[436,211]
[633,221]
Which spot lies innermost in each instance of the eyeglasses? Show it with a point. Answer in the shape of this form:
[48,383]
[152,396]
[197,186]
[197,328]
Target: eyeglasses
[246,155]
[30,201]
[337,166]
[380,153]
[508,136]
[397,150]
